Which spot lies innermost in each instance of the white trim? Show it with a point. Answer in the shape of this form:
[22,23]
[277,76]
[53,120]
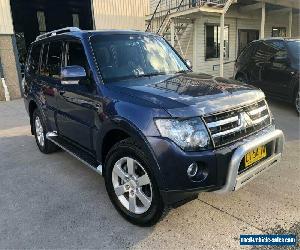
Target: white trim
[263,20]
[6,91]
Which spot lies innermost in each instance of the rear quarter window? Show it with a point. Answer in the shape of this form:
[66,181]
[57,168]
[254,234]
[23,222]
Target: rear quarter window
[34,59]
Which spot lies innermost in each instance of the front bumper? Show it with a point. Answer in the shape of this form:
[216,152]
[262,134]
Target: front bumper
[234,181]
[223,165]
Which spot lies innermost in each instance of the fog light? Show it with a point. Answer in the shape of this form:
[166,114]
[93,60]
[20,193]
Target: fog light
[192,169]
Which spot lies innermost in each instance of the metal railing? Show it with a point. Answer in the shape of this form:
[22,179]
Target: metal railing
[166,7]
[218,65]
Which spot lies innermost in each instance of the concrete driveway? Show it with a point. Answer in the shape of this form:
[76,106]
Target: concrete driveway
[54,201]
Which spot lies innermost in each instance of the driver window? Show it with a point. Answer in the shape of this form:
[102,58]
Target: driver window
[75,56]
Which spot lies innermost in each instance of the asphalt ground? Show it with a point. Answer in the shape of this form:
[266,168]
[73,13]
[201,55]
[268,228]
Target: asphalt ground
[54,201]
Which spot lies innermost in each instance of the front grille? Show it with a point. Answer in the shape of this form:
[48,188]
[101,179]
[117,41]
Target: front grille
[230,126]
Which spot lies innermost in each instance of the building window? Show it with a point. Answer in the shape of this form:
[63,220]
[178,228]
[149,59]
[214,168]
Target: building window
[75,18]
[41,21]
[213,41]
[279,32]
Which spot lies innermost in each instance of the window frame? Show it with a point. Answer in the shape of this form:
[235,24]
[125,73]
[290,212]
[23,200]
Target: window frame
[66,51]
[62,55]
[37,72]
[279,28]
[41,57]
[205,42]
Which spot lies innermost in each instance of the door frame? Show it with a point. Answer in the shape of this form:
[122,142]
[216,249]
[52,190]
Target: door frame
[238,37]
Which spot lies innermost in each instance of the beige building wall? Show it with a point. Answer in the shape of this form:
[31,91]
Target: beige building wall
[9,63]
[8,53]
[120,14]
[6,25]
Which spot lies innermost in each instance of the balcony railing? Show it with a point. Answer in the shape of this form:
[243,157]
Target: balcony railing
[166,7]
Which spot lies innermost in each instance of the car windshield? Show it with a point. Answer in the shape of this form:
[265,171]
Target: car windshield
[124,56]
[294,47]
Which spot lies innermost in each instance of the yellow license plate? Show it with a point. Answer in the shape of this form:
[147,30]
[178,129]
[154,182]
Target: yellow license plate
[255,155]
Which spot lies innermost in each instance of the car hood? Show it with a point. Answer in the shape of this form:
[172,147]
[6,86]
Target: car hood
[189,94]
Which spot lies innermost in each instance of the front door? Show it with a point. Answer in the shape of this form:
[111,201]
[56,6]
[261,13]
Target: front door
[77,107]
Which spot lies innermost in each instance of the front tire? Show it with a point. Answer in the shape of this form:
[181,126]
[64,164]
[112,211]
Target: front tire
[130,184]
[39,128]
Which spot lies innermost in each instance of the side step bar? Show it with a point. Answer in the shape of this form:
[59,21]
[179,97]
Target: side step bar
[82,156]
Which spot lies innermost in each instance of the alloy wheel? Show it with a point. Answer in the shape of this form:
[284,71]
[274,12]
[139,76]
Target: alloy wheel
[132,185]
[39,132]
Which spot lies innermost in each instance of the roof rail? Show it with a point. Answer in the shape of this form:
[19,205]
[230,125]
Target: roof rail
[56,32]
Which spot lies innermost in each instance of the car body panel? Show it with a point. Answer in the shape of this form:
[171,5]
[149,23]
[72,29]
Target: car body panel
[276,79]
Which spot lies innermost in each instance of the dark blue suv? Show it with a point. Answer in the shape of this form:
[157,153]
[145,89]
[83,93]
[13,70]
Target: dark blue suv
[129,107]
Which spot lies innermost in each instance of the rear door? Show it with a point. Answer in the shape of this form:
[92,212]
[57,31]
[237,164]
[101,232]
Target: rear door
[259,58]
[49,77]
[76,104]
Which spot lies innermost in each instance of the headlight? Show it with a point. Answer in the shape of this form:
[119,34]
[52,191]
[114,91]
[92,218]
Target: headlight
[189,134]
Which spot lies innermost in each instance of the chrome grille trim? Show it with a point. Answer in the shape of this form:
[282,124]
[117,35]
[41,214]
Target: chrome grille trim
[259,120]
[227,132]
[257,111]
[229,126]
[223,122]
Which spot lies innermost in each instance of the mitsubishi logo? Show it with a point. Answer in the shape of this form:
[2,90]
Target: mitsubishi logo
[245,120]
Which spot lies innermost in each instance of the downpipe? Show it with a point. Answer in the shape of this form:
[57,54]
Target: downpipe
[6,91]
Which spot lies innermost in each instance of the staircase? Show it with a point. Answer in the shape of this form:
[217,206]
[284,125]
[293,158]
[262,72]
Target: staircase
[161,18]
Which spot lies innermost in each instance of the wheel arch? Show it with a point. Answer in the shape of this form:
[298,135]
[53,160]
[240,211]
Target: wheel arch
[119,129]
[31,107]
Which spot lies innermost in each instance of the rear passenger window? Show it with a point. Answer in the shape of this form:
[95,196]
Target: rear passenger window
[278,48]
[34,59]
[76,55]
[54,59]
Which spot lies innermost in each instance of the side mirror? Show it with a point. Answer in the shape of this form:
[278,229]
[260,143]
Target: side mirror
[72,74]
[281,59]
[189,64]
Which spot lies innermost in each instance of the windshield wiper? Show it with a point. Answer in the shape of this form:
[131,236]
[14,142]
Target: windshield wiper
[183,71]
[151,74]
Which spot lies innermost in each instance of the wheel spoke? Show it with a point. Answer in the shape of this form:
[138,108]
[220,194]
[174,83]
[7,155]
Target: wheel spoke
[120,172]
[120,190]
[143,198]
[42,139]
[132,203]
[127,183]
[130,166]
[143,180]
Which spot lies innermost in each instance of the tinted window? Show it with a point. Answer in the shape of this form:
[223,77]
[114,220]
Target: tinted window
[34,59]
[54,59]
[76,55]
[278,48]
[294,48]
[263,53]
[44,67]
